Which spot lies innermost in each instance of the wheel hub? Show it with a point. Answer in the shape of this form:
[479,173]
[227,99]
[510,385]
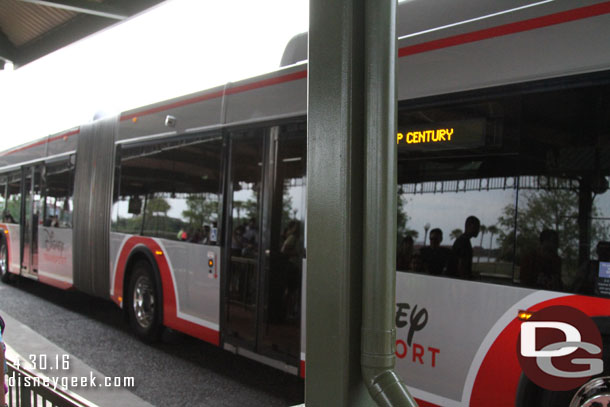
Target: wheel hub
[3,260]
[594,393]
[144,302]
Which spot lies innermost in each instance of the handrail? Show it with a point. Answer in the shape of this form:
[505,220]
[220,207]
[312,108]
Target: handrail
[36,394]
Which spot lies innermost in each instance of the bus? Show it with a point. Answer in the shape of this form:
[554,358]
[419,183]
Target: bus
[190,213]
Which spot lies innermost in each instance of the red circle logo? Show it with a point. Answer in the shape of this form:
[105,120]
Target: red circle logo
[560,348]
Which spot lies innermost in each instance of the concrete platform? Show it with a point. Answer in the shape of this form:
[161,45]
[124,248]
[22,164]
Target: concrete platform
[27,346]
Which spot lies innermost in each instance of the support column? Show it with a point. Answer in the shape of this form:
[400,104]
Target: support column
[335,159]
[351,198]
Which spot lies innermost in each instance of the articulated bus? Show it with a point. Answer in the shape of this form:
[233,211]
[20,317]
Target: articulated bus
[190,213]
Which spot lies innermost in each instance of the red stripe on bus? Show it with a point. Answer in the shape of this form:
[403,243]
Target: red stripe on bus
[174,105]
[500,368]
[230,91]
[268,82]
[170,315]
[7,235]
[42,142]
[169,298]
[201,332]
[7,239]
[507,29]
[502,30]
[302,372]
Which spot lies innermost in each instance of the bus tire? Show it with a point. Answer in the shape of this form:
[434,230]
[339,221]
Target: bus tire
[144,307]
[5,276]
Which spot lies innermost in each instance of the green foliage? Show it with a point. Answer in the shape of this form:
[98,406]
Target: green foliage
[128,225]
[201,209]
[157,205]
[492,230]
[482,232]
[412,232]
[455,233]
[288,210]
[245,210]
[546,209]
[402,219]
[13,207]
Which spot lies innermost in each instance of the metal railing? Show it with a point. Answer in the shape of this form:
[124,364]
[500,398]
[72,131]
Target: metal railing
[27,389]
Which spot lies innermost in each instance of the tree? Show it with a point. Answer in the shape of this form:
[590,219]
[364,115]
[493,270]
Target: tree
[412,232]
[201,209]
[554,209]
[13,206]
[492,230]
[402,218]
[156,217]
[482,231]
[455,233]
[157,205]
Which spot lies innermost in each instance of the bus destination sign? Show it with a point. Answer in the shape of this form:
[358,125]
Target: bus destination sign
[451,135]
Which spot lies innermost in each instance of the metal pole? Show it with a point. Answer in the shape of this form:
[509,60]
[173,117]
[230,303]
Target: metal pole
[335,154]
[351,124]
[379,273]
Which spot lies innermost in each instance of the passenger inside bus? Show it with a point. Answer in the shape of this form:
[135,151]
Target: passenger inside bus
[541,267]
[250,239]
[237,241]
[404,254]
[461,262]
[7,217]
[523,160]
[588,275]
[417,263]
[434,257]
[51,221]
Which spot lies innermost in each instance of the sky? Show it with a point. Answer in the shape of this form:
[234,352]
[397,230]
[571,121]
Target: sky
[179,47]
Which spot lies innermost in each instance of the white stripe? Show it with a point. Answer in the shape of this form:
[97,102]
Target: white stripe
[474,19]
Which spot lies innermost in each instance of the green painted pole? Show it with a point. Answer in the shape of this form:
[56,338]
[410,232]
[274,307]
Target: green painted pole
[351,198]
[379,271]
[335,157]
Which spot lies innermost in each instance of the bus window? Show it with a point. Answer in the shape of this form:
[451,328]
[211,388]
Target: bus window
[12,212]
[58,181]
[3,193]
[531,167]
[171,190]
[284,265]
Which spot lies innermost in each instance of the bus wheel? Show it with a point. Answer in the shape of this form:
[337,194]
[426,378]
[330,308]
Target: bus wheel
[144,308]
[5,276]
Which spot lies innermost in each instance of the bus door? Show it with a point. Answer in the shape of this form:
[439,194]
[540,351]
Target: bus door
[29,221]
[265,241]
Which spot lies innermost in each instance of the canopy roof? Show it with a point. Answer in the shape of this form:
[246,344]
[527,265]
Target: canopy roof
[30,29]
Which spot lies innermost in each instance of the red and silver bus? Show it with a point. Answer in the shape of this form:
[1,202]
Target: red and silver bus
[190,213]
